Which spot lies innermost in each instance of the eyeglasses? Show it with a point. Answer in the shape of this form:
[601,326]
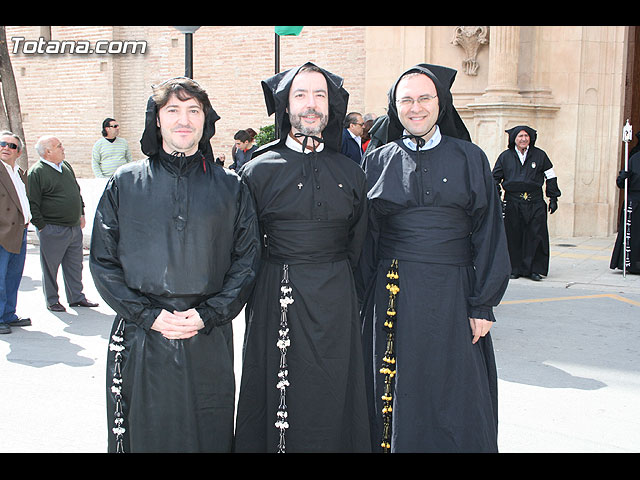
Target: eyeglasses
[12,146]
[113,126]
[422,100]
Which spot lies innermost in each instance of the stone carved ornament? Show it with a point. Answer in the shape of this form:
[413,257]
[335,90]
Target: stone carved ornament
[470,39]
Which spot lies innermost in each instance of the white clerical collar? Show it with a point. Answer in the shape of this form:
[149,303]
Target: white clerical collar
[433,141]
[293,144]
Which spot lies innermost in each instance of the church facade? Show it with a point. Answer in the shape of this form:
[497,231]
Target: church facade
[574,84]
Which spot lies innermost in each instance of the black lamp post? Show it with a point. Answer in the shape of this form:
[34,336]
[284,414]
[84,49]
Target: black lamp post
[188,49]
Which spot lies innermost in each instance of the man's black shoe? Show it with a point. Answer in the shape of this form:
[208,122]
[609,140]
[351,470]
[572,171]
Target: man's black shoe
[513,276]
[21,322]
[535,276]
[83,303]
[56,307]
[4,328]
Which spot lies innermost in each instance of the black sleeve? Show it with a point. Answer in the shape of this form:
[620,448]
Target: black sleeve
[489,242]
[105,266]
[245,256]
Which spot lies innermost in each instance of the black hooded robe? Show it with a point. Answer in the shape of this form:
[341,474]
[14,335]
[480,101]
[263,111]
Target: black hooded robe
[633,198]
[161,241]
[312,214]
[525,212]
[437,213]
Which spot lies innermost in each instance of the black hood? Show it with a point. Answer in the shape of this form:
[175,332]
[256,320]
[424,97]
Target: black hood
[449,120]
[276,96]
[151,141]
[513,133]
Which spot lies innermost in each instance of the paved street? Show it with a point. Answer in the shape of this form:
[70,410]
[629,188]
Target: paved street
[567,352]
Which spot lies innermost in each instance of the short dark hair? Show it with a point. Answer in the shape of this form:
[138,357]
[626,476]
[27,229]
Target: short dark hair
[105,124]
[183,88]
[242,135]
[309,68]
[351,118]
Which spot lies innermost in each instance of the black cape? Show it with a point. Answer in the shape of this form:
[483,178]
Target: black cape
[162,241]
[618,257]
[312,213]
[525,211]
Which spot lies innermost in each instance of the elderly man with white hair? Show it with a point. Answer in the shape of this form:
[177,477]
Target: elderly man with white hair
[58,213]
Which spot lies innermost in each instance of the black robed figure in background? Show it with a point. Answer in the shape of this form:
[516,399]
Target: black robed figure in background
[434,266]
[521,171]
[618,256]
[177,268]
[302,386]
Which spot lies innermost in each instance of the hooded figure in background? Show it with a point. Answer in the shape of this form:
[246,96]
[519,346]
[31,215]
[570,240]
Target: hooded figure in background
[433,267]
[521,171]
[177,269]
[302,386]
[618,256]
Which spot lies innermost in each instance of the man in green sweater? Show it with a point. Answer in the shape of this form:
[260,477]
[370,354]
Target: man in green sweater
[58,213]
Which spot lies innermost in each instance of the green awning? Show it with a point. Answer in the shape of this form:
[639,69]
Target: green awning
[288,30]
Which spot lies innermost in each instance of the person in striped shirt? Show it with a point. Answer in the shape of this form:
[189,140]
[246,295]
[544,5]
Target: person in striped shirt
[110,151]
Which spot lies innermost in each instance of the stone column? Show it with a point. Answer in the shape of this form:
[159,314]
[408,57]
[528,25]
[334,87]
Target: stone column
[503,105]
[504,52]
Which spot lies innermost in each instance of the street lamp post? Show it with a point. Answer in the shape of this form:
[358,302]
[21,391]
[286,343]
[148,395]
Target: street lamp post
[188,49]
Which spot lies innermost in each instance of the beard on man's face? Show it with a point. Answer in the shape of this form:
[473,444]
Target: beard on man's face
[315,129]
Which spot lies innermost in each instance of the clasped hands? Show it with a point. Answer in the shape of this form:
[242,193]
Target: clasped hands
[181,325]
[178,325]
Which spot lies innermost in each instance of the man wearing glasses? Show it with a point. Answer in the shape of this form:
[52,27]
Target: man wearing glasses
[434,265]
[15,217]
[111,151]
[352,136]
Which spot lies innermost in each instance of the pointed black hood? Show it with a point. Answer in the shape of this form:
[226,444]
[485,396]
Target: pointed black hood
[513,133]
[276,96]
[388,128]
[151,140]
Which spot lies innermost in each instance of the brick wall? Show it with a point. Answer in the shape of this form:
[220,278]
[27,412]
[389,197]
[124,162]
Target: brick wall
[69,95]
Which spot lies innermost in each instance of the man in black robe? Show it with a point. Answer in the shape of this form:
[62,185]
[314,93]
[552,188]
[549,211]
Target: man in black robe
[302,387]
[434,265]
[522,170]
[632,175]
[174,251]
